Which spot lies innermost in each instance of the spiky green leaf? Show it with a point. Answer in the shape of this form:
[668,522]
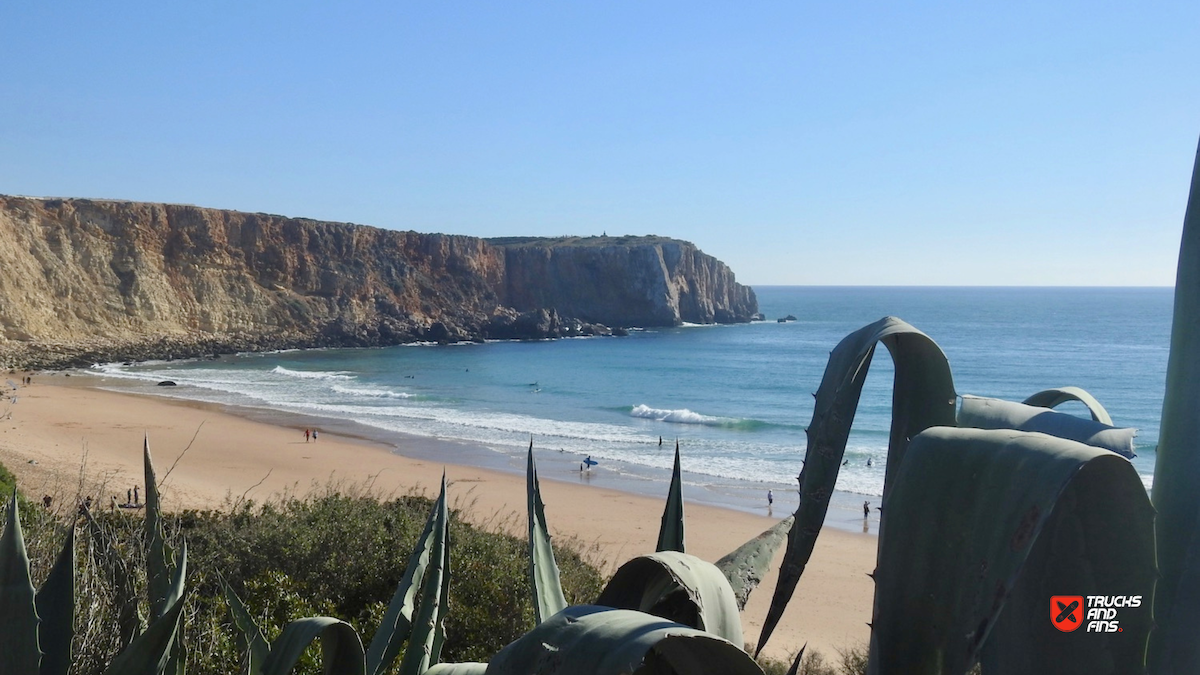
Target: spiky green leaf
[548,598]
[677,587]
[746,567]
[18,615]
[150,653]
[922,396]
[591,640]
[425,641]
[797,661]
[983,527]
[990,413]
[1174,648]
[670,533]
[56,610]
[341,648]
[1052,398]
[397,621]
[159,557]
[255,643]
[439,625]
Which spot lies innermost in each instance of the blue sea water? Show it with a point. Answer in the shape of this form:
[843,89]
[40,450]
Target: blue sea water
[736,397]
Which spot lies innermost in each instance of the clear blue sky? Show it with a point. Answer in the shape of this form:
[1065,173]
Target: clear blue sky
[998,143]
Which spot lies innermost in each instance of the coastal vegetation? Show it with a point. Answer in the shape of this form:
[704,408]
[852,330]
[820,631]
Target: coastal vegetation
[339,552]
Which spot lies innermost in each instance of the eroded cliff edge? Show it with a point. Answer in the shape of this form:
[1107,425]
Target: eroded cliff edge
[89,280]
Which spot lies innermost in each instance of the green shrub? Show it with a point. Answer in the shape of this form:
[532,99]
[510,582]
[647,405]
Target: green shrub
[333,554]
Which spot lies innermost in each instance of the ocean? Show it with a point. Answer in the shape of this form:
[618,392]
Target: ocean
[736,397]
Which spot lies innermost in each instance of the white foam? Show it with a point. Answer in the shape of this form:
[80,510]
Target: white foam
[680,416]
[370,392]
[313,374]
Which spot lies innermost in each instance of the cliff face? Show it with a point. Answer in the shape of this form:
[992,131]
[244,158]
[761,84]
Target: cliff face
[628,281]
[82,280]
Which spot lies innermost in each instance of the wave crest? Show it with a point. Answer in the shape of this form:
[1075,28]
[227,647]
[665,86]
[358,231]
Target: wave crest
[685,416]
[312,374]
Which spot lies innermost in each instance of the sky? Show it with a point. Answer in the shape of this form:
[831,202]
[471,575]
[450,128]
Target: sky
[816,143]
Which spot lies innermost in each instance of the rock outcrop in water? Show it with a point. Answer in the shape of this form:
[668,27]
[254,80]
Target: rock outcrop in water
[87,280]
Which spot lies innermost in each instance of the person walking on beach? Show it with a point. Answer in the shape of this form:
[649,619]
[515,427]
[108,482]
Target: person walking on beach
[306,433]
[866,510]
[770,498]
[136,499]
[314,435]
[129,496]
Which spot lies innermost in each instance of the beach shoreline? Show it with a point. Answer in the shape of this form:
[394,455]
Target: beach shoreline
[68,436]
[645,478]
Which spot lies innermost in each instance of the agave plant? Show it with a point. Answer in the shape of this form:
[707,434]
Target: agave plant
[667,612]
[991,509]
[426,577]
[36,629]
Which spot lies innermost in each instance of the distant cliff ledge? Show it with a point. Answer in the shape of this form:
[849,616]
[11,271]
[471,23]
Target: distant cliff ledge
[90,280]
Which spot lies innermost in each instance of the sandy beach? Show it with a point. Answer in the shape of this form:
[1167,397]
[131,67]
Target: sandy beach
[63,434]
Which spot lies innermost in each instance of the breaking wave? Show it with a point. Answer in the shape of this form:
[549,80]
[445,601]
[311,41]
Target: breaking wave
[685,416]
[312,374]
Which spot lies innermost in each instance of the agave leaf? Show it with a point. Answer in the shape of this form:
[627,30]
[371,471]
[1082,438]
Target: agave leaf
[1052,398]
[164,577]
[397,621]
[425,640]
[341,648]
[439,625]
[175,593]
[56,609]
[458,669]
[983,527]
[159,557]
[18,614]
[1173,647]
[922,396]
[548,598]
[150,653]
[746,567]
[680,588]
[797,661]
[990,413]
[670,534]
[256,646]
[590,640]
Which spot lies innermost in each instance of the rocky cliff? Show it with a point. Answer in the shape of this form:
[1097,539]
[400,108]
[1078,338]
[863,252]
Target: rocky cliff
[84,280]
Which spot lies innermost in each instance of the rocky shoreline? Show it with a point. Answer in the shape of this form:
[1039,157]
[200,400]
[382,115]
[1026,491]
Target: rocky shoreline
[504,325]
